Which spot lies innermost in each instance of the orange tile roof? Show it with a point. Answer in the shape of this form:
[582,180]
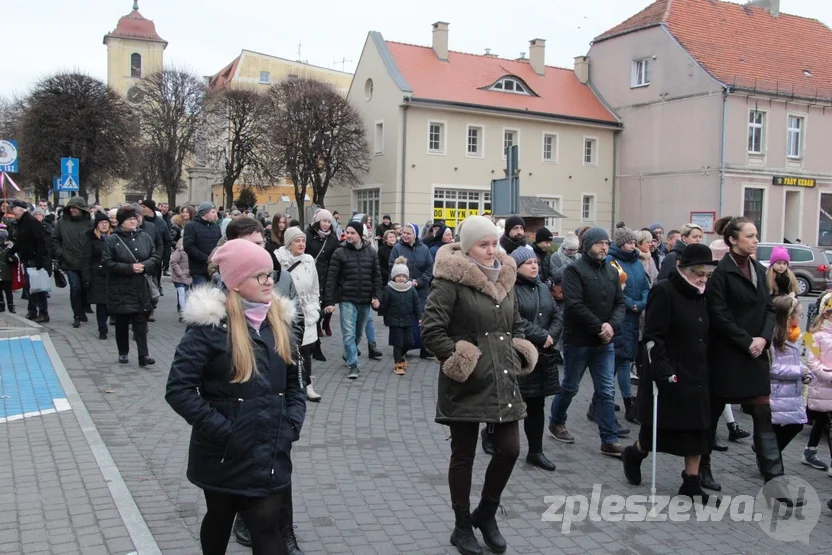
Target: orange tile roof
[462,78]
[224,76]
[135,26]
[745,46]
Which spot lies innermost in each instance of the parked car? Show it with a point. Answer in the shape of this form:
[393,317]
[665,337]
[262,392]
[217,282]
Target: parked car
[809,264]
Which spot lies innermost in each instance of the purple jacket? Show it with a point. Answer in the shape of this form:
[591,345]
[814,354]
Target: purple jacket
[787,386]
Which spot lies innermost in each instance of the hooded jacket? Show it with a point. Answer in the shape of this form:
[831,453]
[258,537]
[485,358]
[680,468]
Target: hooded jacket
[419,263]
[179,268]
[819,361]
[636,290]
[242,433]
[354,275]
[474,328]
[558,263]
[787,405]
[305,279]
[69,235]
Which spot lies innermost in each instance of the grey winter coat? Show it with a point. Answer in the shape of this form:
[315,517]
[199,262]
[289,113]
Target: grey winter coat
[475,329]
[558,263]
[69,236]
[179,269]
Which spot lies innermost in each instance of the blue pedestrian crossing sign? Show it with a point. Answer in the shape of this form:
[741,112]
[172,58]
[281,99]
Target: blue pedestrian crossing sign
[69,174]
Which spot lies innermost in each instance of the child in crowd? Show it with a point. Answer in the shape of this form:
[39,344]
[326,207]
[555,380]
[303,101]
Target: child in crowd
[819,360]
[180,275]
[780,278]
[399,306]
[6,273]
[787,374]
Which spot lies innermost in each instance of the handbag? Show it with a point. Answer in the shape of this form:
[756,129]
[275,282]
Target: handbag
[60,277]
[39,281]
[152,288]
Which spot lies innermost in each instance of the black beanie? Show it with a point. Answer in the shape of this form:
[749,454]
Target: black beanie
[542,235]
[358,227]
[514,221]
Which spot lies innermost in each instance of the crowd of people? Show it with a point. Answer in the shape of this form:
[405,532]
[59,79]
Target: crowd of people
[511,318]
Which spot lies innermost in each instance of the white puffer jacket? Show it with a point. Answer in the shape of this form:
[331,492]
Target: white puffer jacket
[305,278]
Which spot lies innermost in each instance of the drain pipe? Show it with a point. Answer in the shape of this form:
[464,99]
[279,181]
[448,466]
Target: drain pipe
[614,178]
[404,155]
[725,91]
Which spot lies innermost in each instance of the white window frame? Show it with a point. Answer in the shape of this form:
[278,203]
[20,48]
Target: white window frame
[763,218]
[480,140]
[516,132]
[268,76]
[554,158]
[443,138]
[762,127]
[595,154]
[556,227]
[366,191]
[516,83]
[378,145]
[801,136]
[642,73]
[593,207]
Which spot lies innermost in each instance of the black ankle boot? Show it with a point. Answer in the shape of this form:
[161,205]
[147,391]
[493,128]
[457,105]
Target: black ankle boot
[374,353]
[769,460]
[484,518]
[463,537]
[487,444]
[735,433]
[287,533]
[539,460]
[692,487]
[630,410]
[707,479]
[632,457]
[318,354]
[241,533]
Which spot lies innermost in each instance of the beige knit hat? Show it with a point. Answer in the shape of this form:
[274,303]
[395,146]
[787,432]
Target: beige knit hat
[291,234]
[474,229]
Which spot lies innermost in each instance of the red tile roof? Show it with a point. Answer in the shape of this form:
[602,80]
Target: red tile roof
[745,46]
[135,26]
[224,76]
[464,76]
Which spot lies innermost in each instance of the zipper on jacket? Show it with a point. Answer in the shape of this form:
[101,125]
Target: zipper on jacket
[231,434]
[279,426]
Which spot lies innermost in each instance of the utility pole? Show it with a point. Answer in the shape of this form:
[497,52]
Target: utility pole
[343,63]
[300,44]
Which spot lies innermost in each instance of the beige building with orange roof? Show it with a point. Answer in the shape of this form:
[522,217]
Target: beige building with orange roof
[438,123]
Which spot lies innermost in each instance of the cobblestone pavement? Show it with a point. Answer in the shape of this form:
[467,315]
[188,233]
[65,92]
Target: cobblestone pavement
[371,464]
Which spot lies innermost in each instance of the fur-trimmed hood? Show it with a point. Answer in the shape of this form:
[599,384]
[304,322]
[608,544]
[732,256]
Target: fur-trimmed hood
[206,307]
[452,264]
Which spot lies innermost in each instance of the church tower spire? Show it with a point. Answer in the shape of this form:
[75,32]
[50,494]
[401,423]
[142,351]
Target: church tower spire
[135,5]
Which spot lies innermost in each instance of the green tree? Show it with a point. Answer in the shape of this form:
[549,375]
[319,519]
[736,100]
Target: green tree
[247,199]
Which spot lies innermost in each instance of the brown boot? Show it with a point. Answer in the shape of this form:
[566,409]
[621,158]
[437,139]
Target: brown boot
[398,368]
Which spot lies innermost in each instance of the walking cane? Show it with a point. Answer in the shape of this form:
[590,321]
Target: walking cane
[671,379]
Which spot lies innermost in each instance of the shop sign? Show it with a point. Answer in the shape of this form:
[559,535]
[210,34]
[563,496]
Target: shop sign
[787,181]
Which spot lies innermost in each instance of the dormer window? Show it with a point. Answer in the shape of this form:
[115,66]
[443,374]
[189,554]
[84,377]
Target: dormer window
[509,84]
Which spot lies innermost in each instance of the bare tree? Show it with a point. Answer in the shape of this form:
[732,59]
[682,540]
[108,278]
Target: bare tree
[236,135]
[144,176]
[75,115]
[171,106]
[316,138]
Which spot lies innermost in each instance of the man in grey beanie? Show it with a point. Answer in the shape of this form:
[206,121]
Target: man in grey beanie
[199,239]
[593,314]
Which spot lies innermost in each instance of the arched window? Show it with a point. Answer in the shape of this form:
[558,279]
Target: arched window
[509,84]
[136,66]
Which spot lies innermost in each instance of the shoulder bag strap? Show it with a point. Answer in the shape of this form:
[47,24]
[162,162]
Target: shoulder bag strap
[128,249]
[293,266]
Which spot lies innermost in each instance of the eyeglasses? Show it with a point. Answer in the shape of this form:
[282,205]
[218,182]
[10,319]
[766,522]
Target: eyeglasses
[263,279]
[703,275]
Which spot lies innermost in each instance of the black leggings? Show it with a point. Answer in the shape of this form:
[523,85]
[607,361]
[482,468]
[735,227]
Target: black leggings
[261,515]
[820,429]
[306,353]
[786,433]
[534,423]
[464,437]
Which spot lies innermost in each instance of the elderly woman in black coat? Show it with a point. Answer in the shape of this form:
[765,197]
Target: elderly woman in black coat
[129,255]
[676,338]
[93,271]
[542,326]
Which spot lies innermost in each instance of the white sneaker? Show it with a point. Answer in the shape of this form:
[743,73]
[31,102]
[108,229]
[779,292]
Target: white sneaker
[311,395]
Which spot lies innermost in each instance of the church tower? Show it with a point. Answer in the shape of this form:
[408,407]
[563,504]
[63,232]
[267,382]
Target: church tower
[134,50]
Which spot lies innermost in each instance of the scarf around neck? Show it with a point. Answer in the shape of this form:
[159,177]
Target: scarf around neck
[403,287]
[256,313]
[490,273]
[324,234]
[700,290]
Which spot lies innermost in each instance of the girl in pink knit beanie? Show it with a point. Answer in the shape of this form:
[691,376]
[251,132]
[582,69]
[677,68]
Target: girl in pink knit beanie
[780,279]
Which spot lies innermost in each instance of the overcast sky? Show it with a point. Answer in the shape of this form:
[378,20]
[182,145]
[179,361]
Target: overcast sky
[42,36]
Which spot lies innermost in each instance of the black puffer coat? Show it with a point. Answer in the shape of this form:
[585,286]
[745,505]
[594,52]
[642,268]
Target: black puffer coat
[199,240]
[739,311]
[93,271]
[162,231]
[127,291]
[242,433]
[354,275]
[30,244]
[541,318]
[399,307]
[475,329]
[669,263]
[321,249]
[677,322]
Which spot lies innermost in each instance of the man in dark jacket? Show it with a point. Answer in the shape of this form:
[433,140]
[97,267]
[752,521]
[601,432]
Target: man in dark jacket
[514,236]
[30,248]
[354,282]
[162,230]
[385,225]
[542,243]
[593,313]
[68,241]
[199,240]
[674,253]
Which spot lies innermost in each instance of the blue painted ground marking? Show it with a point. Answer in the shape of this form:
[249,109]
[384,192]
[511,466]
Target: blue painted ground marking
[29,385]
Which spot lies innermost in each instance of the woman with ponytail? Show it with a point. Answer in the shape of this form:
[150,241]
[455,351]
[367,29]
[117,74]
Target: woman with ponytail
[235,380]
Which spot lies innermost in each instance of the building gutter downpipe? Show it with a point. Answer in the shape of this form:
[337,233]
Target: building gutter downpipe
[404,156]
[614,179]
[725,91]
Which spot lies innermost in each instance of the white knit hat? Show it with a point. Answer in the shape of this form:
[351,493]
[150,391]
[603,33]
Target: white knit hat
[399,268]
[474,229]
[291,234]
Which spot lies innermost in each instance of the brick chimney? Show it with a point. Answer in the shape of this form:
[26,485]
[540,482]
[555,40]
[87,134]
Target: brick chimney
[771,6]
[582,68]
[537,55]
[440,40]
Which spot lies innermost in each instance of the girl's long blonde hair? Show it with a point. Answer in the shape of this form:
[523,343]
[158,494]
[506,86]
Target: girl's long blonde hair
[784,307]
[824,308]
[772,285]
[242,348]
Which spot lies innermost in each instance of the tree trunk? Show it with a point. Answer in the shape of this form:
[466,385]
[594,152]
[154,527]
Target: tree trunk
[228,189]
[171,199]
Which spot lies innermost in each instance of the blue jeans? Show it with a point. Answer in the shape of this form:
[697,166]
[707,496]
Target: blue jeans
[370,330]
[601,364]
[353,321]
[76,293]
[199,280]
[622,374]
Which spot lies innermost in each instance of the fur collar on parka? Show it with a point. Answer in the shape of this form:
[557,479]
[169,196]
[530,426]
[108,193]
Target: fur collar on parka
[453,265]
[206,307]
